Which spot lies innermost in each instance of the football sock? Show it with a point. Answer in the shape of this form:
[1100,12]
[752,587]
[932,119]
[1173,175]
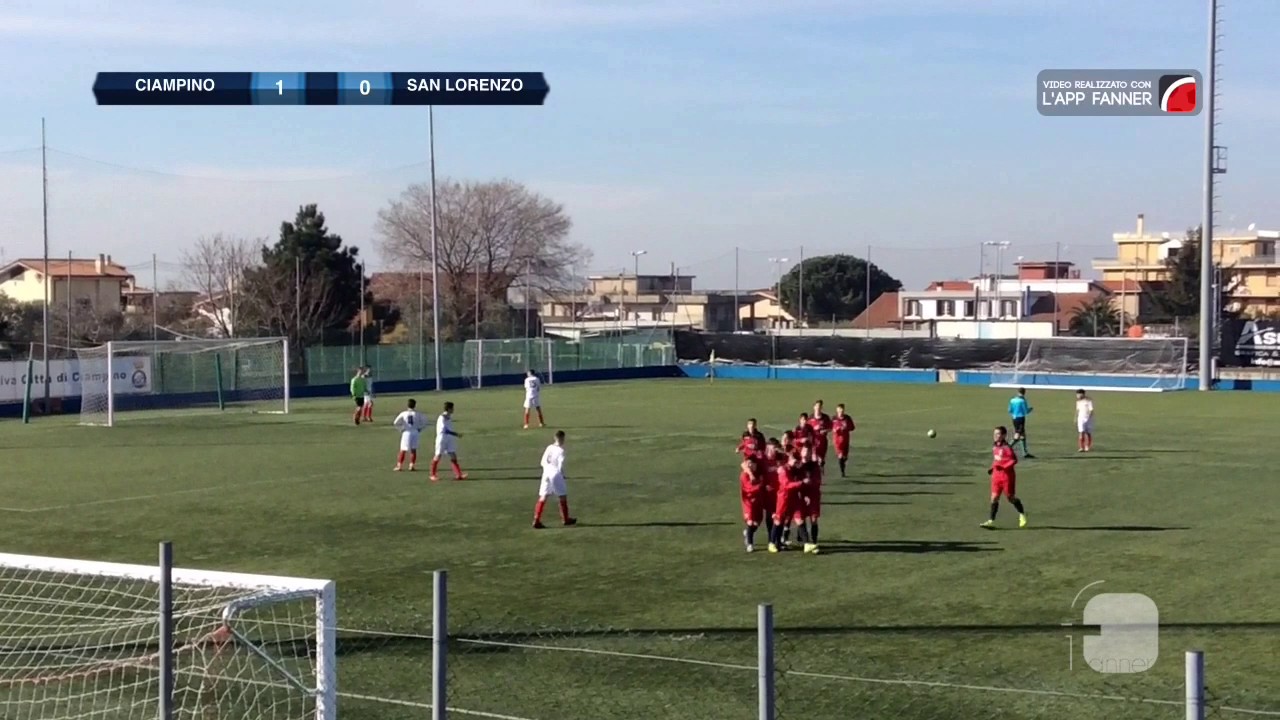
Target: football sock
[457,469]
[786,533]
[1026,449]
[400,458]
[842,466]
[413,457]
[540,420]
[356,417]
[526,417]
[813,531]
[802,533]
[435,465]
[1017,505]
[775,535]
[537,509]
[995,507]
[768,524]
[751,534]
[564,509]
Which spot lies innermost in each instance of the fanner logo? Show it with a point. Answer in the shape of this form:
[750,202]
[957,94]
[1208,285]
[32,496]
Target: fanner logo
[1128,637]
[1178,94]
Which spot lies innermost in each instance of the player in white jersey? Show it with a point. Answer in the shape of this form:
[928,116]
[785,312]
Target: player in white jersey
[368,393]
[553,483]
[446,444]
[532,399]
[410,423]
[1084,421]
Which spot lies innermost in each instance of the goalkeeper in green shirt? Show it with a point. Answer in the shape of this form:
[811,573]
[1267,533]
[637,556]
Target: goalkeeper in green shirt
[359,386]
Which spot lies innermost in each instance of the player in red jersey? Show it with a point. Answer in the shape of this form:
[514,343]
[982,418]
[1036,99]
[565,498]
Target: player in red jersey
[752,442]
[820,424]
[752,482]
[790,482]
[841,428]
[811,508]
[1004,479]
[788,442]
[774,458]
[802,434]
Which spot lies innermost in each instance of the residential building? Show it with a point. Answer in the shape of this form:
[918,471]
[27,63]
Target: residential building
[1038,300]
[98,283]
[144,301]
[1139,266]
[622,302]
[761,310]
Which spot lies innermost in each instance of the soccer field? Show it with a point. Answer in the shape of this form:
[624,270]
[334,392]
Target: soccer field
[647,609]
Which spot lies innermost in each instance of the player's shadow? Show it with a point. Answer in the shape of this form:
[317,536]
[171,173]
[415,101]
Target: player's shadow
[864,502]
[660,524]
[1109,528]
[907,547]
[526,477]
[911,476]
[901,493]
[908,482]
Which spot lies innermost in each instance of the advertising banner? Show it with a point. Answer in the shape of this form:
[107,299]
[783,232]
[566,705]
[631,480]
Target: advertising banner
[129,375]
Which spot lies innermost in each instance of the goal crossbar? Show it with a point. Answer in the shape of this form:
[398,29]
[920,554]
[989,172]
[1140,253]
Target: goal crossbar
[71,623]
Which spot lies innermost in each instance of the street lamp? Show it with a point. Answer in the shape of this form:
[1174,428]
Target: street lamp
[1000,246]
[635,257]
[777,279]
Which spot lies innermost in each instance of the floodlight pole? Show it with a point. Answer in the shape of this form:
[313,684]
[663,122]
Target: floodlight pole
[1211,168]
[48,282]
[435,269]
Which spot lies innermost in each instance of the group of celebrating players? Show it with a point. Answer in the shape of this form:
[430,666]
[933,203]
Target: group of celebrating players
[781,479]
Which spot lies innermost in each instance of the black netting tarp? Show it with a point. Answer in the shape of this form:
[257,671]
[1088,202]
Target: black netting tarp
[918,353]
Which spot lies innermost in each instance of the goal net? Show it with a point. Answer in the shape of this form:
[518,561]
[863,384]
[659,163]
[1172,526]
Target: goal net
[81,640]
[490,358]
[1122,364]
[248,374]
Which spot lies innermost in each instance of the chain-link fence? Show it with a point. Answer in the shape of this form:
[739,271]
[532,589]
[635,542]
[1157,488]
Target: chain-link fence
[511,668]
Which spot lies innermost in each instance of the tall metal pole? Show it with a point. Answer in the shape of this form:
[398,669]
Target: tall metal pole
[1057,274]
[155,300]
[636,272]
[737,308]
[867,304]
[1206,220]
[528,297]
[69,258]
[478,302]
[800,285]
[297,300]
[422,323]
[48,283]
[435,267]
[363,359]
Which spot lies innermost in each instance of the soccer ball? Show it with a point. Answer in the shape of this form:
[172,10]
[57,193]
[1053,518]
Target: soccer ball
[931,433]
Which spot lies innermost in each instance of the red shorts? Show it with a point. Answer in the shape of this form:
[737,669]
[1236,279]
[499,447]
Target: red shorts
[1004,485]
[788,503]
[820,449]
[754,507]
[842,449]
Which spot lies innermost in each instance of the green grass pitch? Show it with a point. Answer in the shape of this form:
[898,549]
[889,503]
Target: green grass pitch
[647,609]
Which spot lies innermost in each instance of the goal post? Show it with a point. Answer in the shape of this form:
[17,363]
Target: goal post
[86,639]
[182,375]
[1116,364]
[514,357]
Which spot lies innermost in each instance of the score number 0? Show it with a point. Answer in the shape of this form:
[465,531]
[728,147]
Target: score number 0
[365,87]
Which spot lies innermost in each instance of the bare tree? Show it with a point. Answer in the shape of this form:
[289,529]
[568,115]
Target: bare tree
[277,300]
[216,267]
[494,234]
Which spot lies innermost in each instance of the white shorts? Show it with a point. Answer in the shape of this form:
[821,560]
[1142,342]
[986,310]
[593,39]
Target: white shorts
[1084,426]
[408,441]
[446,445]
[532,402]
[553,486]
[368,399]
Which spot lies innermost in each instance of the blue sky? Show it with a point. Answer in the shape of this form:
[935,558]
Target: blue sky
[682,127]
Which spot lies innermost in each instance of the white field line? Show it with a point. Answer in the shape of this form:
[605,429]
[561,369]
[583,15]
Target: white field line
[830,676]
[427,706]
[620,447]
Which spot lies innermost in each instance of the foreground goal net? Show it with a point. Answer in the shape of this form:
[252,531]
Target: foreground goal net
[1121,364]
[248,374]
[82,640]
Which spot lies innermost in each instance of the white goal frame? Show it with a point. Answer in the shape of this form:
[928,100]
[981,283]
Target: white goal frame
[92,384]
[473,357]
[259,591]
[1058,368]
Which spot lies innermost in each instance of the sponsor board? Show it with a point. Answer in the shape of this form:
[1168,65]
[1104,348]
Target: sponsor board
[129,375]
[1259,343]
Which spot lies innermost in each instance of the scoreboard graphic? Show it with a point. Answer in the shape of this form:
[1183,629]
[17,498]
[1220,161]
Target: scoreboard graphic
[321,88]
